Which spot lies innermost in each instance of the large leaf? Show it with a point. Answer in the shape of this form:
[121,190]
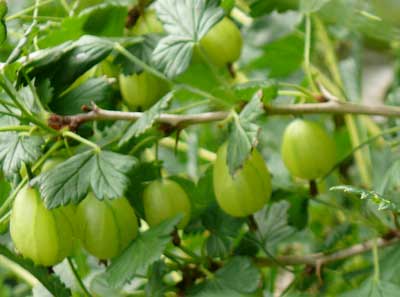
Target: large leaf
[50,281]
[143,252]
[147,120]
[16,149]
[98,90]
[142,50]
[272,222]
[281,57]
[104,173]
[62,65]
[186,22]
[243,133]
[106,19]
[238,276]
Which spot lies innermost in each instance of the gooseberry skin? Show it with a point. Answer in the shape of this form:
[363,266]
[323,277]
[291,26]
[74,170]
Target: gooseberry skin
[164,199]
[307,150]
[142,90]
[42,235]
[247,191]
[223,43]
[106,227]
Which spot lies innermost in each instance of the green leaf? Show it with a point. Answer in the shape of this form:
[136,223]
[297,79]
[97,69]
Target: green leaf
[99,90]
[142,50]
[143,252]
[381,202]
[281,57]
[372,288]
[155,287]
[50,281]
[272,222]
[186,22]
[310,6]
[15,149]
[104,173]
[140,176]
[262,7]
[237,277]
[243,133]
[247,90]
[62,65]
[147,120]
[298,211]
[240,275]
[102,20]
[218,246]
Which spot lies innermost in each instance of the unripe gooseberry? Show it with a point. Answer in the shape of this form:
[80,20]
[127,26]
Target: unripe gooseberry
[223,43]
[307,150]
[164,199]
[142,90]
[248,190]
[42,235]
[147,23]
[106,227]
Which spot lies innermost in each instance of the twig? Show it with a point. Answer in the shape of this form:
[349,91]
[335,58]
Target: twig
[330,107]
[320,259]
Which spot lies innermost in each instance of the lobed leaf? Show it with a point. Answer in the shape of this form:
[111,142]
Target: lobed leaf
[104,173]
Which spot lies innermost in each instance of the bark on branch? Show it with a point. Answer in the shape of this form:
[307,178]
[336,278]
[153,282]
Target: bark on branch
[330,107]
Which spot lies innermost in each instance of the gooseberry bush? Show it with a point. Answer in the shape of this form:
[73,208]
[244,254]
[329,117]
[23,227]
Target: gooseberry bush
[199,148]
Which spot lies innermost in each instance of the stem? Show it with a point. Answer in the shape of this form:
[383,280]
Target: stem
[376,261]
[307,54]
[118,47]
[19,271]
[184,147]
[361,145]
[27,10]
[82,140]
[65,5]
[78,278]
[313,188]
[4,207]
[331,107]
[15,128]
[322,259]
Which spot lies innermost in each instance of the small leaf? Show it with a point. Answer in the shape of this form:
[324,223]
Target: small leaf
[143,252]
[147,120]
[15,149]
[382,203]
[103,173]
[243,133]
[186,22]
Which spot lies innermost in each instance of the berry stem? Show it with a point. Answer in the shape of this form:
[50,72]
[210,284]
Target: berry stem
[313,188]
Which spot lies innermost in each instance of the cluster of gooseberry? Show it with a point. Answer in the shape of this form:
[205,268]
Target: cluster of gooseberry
[105,228]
